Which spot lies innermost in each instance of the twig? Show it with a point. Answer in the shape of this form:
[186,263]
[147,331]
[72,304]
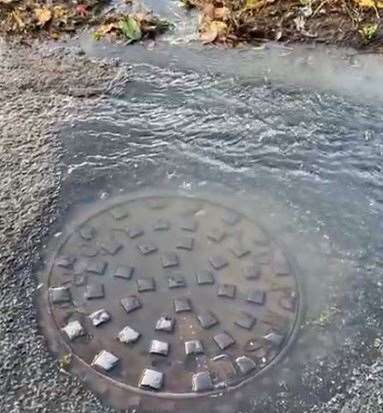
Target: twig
[319,8]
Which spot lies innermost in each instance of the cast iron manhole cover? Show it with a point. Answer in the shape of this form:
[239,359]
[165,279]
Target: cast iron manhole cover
[173,295]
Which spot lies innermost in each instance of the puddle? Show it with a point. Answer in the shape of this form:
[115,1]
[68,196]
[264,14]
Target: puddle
[298,152]
[160,283]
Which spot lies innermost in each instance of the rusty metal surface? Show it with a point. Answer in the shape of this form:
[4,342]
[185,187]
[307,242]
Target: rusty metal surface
[173,296]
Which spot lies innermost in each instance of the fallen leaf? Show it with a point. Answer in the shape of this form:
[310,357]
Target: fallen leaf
[370,4]
[212,31]
[131,29]
[369,31]
[221,13]
[209,33]
[142,16]
[209,11]
[107,28]
[251,4]
[43,16]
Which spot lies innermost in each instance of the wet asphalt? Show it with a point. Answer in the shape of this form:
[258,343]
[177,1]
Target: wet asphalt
[39,90]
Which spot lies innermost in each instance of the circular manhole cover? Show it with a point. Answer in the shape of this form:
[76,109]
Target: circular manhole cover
[173,296]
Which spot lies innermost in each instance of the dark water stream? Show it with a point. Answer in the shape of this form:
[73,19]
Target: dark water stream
[297,137]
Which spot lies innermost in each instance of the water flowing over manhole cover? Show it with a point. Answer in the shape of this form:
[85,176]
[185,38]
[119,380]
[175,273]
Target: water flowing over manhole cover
[172,296]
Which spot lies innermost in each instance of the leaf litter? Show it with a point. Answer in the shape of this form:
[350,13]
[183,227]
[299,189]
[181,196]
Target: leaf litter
[353,23]
[132,27]
[52,19]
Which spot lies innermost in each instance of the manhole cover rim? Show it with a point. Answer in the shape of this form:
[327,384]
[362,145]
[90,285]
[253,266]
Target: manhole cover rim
[58,345]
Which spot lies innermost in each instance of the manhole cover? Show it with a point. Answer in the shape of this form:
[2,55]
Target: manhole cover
[173,296]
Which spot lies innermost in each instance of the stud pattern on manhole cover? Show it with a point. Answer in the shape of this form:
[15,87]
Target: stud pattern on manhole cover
[173,295]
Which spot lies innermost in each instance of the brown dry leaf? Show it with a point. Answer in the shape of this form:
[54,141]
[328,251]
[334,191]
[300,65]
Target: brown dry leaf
[212,31]
[250,4]
[55,35]
[43,15]
[372,4]
[221,13]
[59,12]
[209,11]
[142,16]
[107,28]
[209,33]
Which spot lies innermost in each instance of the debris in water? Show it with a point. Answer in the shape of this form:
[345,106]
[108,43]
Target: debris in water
[132,27]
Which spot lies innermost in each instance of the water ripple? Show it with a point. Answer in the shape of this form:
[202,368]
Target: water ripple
[315,149]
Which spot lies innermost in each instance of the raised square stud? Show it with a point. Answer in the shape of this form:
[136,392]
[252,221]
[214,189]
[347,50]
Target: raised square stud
[188,224]
[182,304]
[280,264]
[96,267]
[119,212]
[245,364]
[66,261]
[112,247]
[176,281]
[227,290]
[93,291]
[165,323]
[161,225]
[202,382]
[207,319]
[99,317]
[185,243]
[128,335]
[251,271]
[131,303]
[158,347]
[257,297]
[105,360]
[224,340]
[169,259]
[193,347]
[89,250]
[73,330]
[151,379]
[274,338]
[145,284]
[216,234]
[246,321]
[59,295]
[79,280]
[124,271]
[87,233]
[218,262]
[135,231]
[205,277]
[239,250]
[146,248]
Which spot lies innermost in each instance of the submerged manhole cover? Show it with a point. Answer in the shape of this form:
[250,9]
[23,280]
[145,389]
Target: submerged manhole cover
[173,296]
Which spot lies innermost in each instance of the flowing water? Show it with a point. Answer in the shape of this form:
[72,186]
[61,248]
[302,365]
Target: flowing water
[296,139]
